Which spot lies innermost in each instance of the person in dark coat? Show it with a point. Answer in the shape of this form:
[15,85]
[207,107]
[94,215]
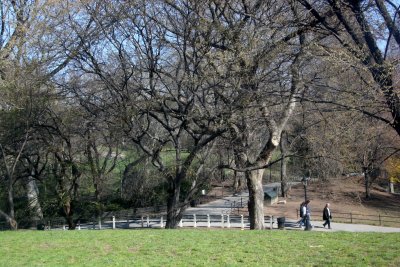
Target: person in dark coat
[302,220]
[308,225]
[327,216]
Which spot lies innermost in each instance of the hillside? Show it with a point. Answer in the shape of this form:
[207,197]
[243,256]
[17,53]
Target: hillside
[346,195]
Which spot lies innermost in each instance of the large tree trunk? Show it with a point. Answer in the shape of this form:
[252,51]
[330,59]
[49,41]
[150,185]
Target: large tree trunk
[173,210]
[256,199]
[33,199]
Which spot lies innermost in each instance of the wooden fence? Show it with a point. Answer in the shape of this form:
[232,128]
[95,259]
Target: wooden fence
[128,222]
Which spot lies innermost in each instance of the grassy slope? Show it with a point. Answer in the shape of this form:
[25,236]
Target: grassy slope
[197,248]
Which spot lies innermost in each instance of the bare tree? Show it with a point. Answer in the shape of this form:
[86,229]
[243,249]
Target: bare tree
[154,84]
[351,25]
[10,164]
[34,47]
[102,151]
[265,82]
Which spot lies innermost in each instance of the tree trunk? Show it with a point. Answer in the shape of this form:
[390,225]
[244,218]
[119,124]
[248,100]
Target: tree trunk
[96,187]
[367,185]
[235,182]
[283,179]
[68,210]
[11,221]
[173,211]
[238,180]
[256,199]
[11,214]
[283,168]
[33,199]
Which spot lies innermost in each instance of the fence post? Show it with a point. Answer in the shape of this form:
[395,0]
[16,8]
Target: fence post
[228,219]
[222,220]
[64,227]
[208,221]
[99,223]
[351,217]
[113,221]
[380,222]
[181,223]
[242,221]
[148,222]
[79,225]
[49,225]
[297,213]
[162,222]
[271,221]
[142,221]
[194,221]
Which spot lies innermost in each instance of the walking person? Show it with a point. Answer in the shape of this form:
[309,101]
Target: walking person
[302,210]
[327,216]
[308,225]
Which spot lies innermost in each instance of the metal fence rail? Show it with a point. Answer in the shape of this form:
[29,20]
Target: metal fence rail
[376,219]
[372,219]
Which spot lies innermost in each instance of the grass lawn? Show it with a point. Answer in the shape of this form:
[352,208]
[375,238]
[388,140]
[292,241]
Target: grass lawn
[198,248]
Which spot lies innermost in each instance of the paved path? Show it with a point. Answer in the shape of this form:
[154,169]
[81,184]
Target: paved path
[224,206]
[220,206]
[347,227]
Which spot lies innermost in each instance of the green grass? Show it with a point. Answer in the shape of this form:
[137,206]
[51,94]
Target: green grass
[198,248]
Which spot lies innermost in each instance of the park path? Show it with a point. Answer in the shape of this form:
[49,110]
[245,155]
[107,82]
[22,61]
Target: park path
[226,204]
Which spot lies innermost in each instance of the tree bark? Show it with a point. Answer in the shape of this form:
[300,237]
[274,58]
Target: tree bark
[238,181]
[33,199]
[11,221]
[367,184]
[283,167]
[11,207]
[68,210]
[173,210]
[97,194]
[256,199]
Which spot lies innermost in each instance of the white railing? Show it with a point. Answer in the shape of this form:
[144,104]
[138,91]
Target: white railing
[187,221]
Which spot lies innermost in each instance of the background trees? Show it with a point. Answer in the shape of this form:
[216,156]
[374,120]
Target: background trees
[34,48]
[103,102]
